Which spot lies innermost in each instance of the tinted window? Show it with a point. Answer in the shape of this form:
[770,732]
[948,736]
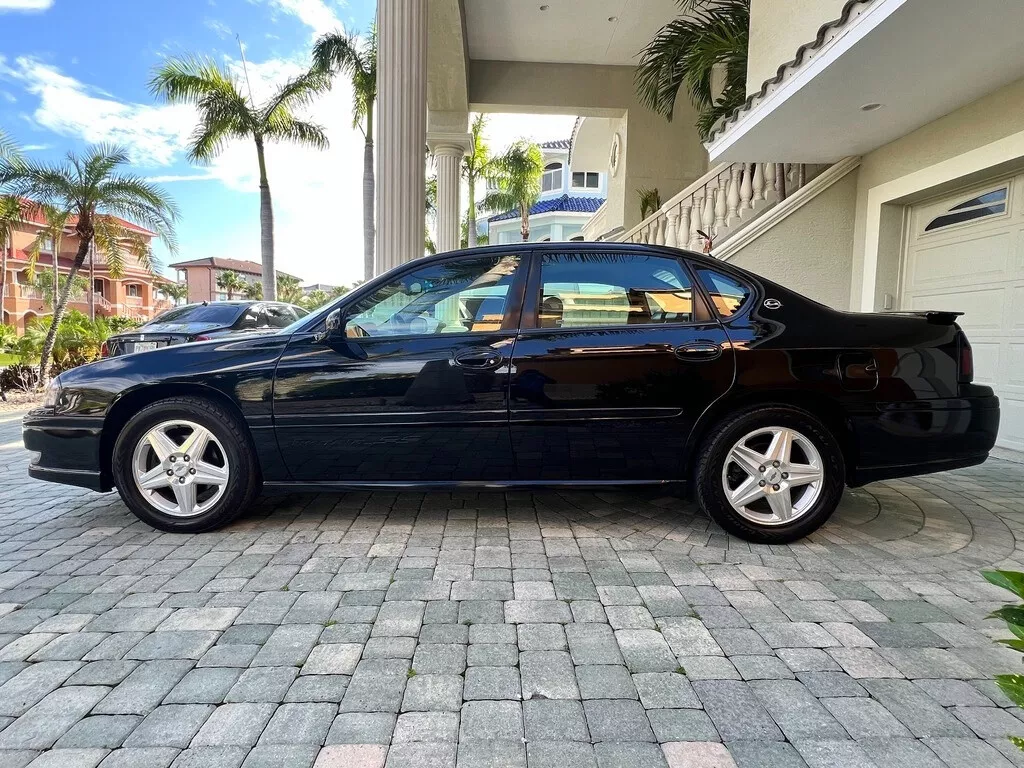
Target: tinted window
[580,290]
[253,317]
[199,313]
[452,297]
[727,293]
[280,315]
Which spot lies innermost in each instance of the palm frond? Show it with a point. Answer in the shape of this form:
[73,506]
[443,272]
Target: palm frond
[301,132]
[339,52]
[188,79]
[296,93]
[8,147]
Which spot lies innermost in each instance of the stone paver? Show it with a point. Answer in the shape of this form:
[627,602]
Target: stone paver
[463,629]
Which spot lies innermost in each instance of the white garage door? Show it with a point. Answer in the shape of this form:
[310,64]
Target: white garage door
[966,252]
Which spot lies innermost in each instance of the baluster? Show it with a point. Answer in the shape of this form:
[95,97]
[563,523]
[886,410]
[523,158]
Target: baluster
[661,226]
[790,168]
[747,188]
[698,209]
[758,183]
[721,207]
[732,195]
[708,217]
[672,233]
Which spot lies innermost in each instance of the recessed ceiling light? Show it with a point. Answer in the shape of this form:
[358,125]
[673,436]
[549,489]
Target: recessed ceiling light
[613,18]
[870,107]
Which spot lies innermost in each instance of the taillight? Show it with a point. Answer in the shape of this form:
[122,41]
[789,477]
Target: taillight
[966,373]
[104,349]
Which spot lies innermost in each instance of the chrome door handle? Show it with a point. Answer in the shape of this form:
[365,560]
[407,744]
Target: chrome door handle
[699,350]
[478,359]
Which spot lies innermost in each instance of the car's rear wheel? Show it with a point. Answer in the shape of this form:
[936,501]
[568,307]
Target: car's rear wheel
[770,475]
[185,465]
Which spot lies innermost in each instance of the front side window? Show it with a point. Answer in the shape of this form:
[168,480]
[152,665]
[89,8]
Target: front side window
[727,293]
[552,178]
[586,290]
[462,296]
[280,315]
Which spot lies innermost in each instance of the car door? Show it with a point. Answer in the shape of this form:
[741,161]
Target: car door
[415,388]
[618,356]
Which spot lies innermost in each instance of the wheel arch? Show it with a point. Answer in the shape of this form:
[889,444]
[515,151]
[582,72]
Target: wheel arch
[132,402]
[827,410]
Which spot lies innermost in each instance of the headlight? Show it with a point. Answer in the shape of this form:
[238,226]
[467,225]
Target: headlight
[52,393]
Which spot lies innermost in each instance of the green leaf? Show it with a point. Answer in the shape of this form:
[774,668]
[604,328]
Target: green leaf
[1017,645]
[1017,742]
[1013,687]
[1012,615]
[1011,580]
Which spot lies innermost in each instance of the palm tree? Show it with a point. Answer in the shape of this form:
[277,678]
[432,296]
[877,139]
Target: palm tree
[289,289]
[10,217]
[253,291]
[176,292]
[225,114]
[230,282]
[101,199]
[55,222]
[517,174]
[315,299]
[357,59]
[430,217]
[475,167]
[711,34]
[650,201]
[8,147]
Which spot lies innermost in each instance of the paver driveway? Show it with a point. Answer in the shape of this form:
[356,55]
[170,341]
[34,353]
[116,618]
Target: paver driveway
[547,629]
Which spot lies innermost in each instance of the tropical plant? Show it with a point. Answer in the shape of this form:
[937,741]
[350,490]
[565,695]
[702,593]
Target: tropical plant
[315,299]
[8,338]
[479,239]
[176,292]
[475,167]
[253,291]
[20,377]
[517,176]
[231,283]
[43,282]
[650,201]
[341,290]
[430,217]
[356,58]
[8,147]
[119,323]
[709,36]
[77,340]
[225,114]
[289,289]
[10,217]
[50,235]
[1013,615]
[101,199]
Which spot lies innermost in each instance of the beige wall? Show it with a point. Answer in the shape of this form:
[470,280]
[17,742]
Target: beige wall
[655,152]
[778,28]
[911,168]
[809,251]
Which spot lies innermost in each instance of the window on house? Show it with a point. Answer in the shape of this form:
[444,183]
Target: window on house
[586,180]
[581,290]
[727,293]
[458,296]
[132,290]
[552,178]
[988,204]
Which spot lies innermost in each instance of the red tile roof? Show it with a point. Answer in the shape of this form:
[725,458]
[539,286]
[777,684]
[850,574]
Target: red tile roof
[216,262]
[33,214]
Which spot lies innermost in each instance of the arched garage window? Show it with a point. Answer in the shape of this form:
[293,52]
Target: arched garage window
[988,204]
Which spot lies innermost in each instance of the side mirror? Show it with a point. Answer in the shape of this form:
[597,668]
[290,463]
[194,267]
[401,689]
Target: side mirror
[332,326]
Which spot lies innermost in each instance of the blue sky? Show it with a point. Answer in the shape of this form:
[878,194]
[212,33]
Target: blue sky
[73,72]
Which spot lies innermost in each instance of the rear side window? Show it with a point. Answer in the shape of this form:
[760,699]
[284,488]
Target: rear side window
[583,290]
[280,315]
[727,293]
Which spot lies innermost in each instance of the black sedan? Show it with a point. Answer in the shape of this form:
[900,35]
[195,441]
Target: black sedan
[532,365]
[202,322]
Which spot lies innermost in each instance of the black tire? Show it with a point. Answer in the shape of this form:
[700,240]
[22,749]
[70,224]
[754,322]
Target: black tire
[243,479]
[714,452]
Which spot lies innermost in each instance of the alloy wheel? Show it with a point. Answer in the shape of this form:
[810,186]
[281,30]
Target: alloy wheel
[180,468]
[773,476]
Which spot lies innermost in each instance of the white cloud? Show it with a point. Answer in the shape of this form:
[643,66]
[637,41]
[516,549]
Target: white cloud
[315,14]
[25,5]
[222,30]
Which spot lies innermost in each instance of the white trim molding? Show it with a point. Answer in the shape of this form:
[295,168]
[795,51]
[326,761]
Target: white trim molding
[979,159]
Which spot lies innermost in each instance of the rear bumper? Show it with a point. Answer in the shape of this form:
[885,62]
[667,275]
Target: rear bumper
[67,449]
[916,438]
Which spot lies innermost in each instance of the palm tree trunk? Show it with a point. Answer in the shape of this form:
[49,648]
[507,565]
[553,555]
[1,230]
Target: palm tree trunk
[369,194]
[92,282]
[56,272]
[266,229]
[471,213]
[62,303]
[3,277]
[525,228]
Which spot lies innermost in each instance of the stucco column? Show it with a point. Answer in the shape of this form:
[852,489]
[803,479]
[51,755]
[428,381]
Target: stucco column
[448,151]
[401,130]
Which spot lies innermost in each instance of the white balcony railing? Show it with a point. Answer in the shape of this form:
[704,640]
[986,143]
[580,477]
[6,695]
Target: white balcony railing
[719,203]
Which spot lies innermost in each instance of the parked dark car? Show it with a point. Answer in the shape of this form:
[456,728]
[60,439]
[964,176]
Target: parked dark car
[560,364]
[202,322]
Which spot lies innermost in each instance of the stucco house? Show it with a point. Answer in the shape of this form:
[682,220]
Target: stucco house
[877,164]
[570,195]
[200,275]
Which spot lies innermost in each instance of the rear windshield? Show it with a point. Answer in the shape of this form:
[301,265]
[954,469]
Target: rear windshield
[200,313]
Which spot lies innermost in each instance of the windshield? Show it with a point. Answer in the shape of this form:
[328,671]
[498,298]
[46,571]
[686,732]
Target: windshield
[201,313]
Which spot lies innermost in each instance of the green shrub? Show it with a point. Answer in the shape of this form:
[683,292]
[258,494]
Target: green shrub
[78,340]
[1013,615]
[119,323]
[8,338]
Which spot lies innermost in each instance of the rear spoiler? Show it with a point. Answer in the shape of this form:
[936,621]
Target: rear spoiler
[936,316]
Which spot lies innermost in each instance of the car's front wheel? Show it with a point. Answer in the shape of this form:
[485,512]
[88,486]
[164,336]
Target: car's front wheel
[770,475]
[185,465]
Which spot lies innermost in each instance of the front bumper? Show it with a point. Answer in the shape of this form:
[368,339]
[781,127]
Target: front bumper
[916,438]
[67,449]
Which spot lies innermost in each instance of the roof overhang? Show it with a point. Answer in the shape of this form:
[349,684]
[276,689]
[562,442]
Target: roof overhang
[918,59]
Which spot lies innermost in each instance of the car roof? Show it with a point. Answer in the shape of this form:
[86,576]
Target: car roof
[570,246]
